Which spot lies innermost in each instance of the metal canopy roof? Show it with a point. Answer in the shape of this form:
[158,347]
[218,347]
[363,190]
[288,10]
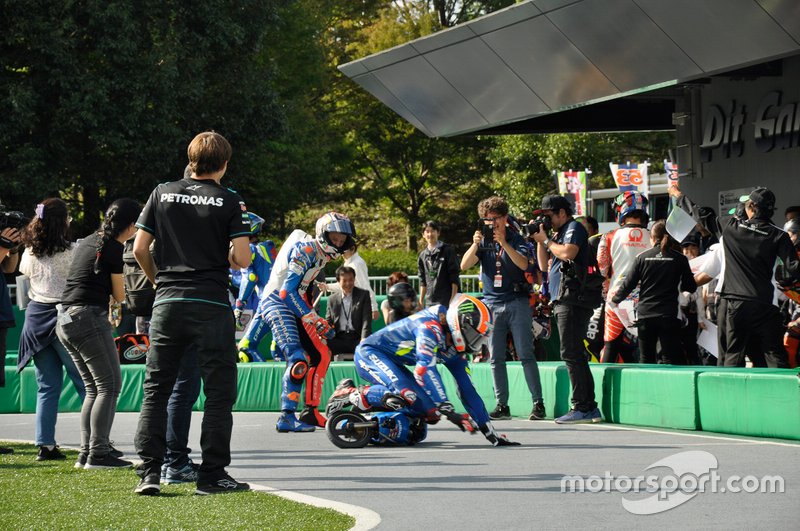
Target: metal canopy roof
[541,57]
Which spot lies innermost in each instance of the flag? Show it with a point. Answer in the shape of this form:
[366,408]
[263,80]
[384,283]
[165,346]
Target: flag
[572,185]
[630,176]
[672,172]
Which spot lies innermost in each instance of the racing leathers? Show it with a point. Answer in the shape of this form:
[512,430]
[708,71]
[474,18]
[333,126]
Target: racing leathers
[253,281]
[615,257]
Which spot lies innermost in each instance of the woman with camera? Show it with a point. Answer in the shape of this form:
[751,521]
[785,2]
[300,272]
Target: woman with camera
[46,263]
[84,328]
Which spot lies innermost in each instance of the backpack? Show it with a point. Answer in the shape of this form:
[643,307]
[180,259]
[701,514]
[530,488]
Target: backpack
[132,348]
[139,292]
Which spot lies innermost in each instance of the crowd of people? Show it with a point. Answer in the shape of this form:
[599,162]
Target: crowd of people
[633,294]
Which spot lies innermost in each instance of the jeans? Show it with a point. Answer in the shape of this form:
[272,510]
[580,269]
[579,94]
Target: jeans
[572,322]
[514,316]
[179,411]
[86,334]
[179,329]
[50,364]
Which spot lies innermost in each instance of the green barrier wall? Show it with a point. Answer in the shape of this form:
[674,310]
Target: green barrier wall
[757,402]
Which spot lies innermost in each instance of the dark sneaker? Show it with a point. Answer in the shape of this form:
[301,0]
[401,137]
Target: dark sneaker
[106,461]
[148,486]
[501,412]
[312,417]
[113,452]
[5,450]
[288,422]
[46,454]
[220,486]
[538,412]
[580,417]
[81,462]
[185,474]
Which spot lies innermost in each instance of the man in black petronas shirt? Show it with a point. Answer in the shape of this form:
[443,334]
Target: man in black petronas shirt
[200,229]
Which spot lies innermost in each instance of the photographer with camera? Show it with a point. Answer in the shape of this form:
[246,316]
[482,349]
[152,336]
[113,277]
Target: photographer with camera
[11,223]
[575,292]
[504,257]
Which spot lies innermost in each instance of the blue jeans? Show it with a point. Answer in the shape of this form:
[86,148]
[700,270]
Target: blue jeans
[179,411]
[50,364]
[178,329]
[514,316]
[86,334]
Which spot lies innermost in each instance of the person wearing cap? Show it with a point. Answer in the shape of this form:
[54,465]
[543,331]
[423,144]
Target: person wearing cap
[751,248]
[569,245]
[506,292]
[790,308]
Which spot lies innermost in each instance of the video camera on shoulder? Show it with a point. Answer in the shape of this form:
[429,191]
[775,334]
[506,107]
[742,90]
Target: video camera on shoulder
[485,225]
[533,227]
[12,219]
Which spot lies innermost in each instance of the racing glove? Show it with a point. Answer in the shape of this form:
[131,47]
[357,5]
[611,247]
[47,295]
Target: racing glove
[464,422]
[320,325]
[495,438]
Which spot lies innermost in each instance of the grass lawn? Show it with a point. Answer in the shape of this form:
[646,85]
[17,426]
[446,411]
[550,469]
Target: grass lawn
[54,495]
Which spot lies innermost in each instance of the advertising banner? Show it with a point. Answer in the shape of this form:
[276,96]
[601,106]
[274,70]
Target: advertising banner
[630,176]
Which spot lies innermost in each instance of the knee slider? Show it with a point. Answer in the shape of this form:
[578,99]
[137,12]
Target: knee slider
[298,371]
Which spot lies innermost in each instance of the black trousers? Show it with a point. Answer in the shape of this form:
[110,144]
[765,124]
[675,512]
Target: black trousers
[572,322]
[750,326]
[344,342]
[660,329]
[176,329]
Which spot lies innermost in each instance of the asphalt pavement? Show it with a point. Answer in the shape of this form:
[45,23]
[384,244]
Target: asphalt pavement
[582,476]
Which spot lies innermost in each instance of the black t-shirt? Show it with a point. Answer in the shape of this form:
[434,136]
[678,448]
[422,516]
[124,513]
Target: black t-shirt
[84,286]
[193,222]
[575,233]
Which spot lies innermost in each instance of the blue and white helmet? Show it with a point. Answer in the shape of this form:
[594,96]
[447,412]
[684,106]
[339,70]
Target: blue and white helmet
[256,222]
[334,222]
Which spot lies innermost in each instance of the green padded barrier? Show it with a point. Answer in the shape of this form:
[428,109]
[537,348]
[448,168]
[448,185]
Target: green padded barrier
[757,402]
[11,358]
[9,395]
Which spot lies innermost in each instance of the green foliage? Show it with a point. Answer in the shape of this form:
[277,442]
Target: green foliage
[53,495]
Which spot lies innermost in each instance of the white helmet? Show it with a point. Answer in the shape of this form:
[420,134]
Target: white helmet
[470,323]
[334,222]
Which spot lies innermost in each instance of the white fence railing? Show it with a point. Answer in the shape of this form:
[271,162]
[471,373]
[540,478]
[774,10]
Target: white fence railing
[469,283]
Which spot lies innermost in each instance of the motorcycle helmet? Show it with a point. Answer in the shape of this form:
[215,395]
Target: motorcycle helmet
[628,203]
[398,293]
[256,222]
[334,222]
[470,323]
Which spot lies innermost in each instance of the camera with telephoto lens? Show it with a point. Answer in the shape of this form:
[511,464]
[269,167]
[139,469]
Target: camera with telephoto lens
[12,219]
[533,227]
[485,225]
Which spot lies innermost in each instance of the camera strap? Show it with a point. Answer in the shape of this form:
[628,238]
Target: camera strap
[498,275]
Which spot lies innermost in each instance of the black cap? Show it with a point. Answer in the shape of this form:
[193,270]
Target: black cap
[554,202]
[692,239]
[761,197]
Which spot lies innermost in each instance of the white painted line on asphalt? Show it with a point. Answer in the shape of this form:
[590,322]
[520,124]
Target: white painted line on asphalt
[365,518]
[684,434]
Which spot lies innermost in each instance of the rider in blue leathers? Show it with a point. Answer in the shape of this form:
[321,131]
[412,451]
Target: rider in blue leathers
[293,320]
[435,335]
[262,256]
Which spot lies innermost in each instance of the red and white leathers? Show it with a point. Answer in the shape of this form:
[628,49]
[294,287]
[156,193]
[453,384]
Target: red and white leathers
[615,256]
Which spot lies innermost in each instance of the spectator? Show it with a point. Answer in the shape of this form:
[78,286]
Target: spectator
[394,278]
[504,262]
[746,311]
[615,256]
[9,238]
[84,328]
[793,212]
[691,304]
[791,306]
[46,263]
[348,313]
[200,229]
[663,273]
[402,301]
[438,269]
[592,229]
[353,260]
[573,300]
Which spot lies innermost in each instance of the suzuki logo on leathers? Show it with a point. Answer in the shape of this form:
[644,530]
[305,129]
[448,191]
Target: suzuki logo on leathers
[635,235]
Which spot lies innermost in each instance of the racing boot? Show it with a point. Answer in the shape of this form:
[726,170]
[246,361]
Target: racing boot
[346,395]
[247,355]
[289,423]
[311,416]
